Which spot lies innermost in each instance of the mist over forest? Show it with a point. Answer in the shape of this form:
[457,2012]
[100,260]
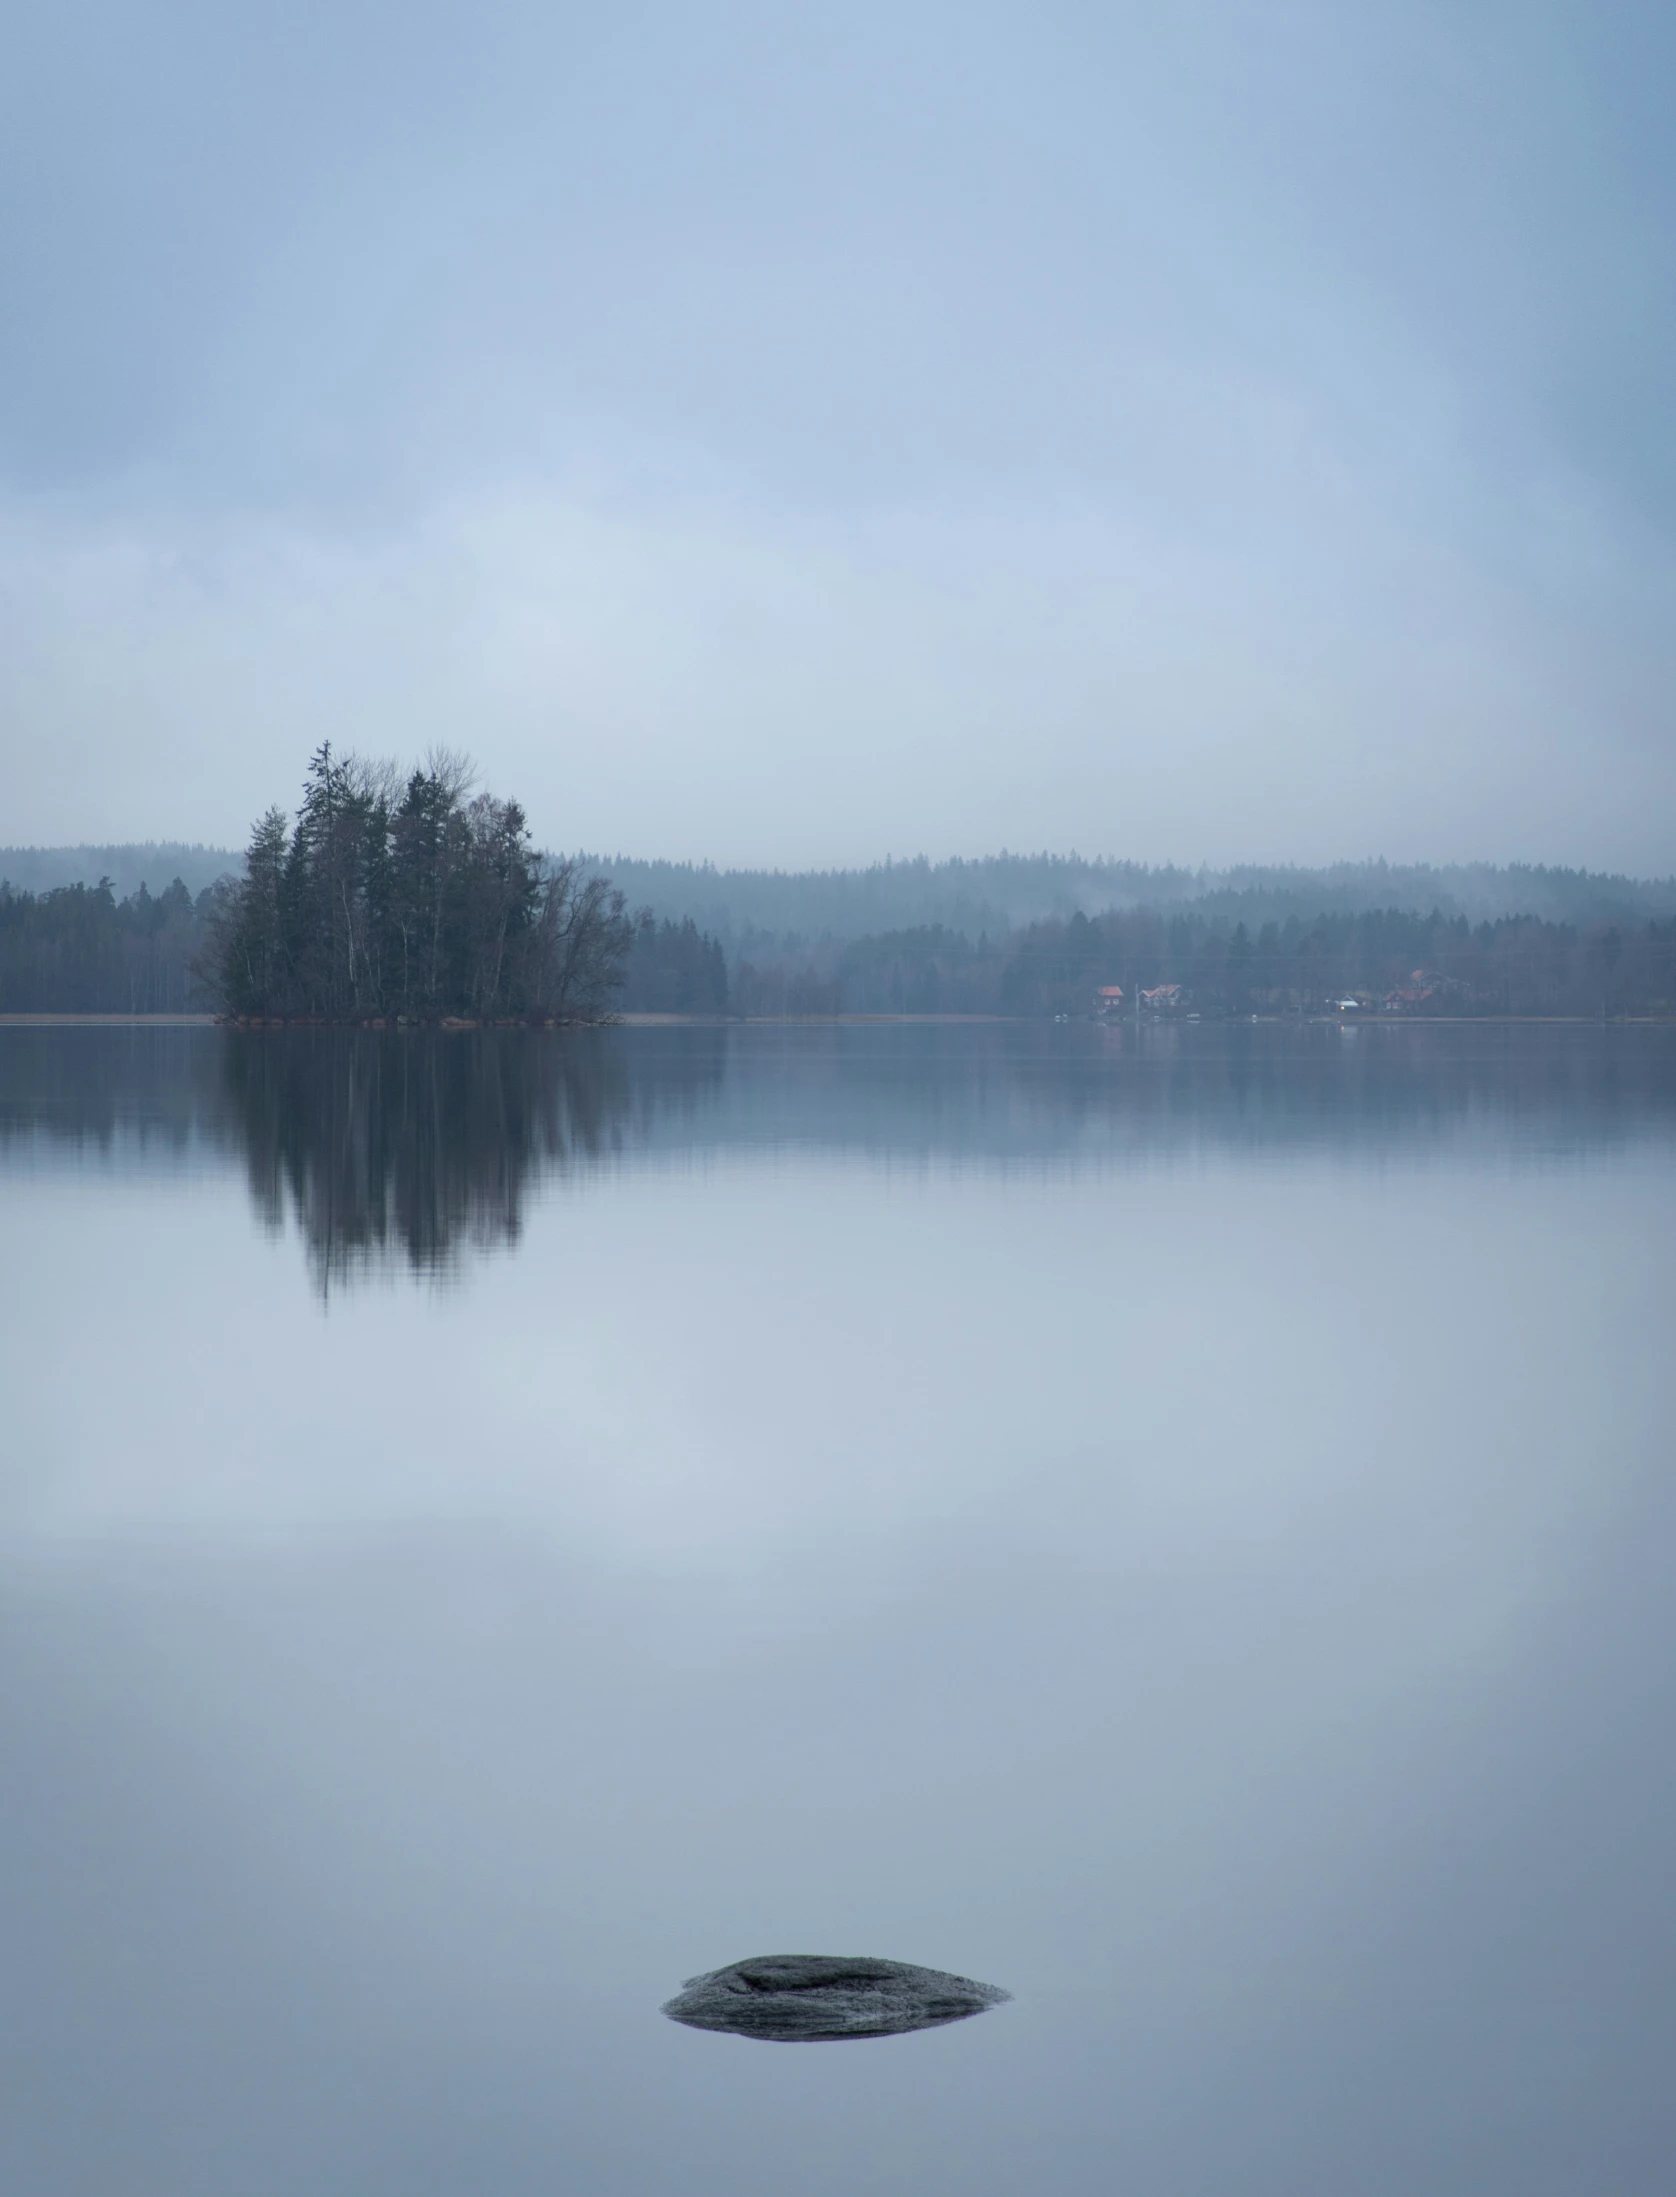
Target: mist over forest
[153,864]
[991,895]
[986,895]
[129,929]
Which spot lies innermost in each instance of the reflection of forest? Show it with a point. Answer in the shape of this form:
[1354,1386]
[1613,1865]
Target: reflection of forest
[382,1147]
[418,1144]
[1083,1093]
[410,1147]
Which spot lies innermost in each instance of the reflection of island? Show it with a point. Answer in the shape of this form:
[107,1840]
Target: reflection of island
[408,1147]
[416,1145]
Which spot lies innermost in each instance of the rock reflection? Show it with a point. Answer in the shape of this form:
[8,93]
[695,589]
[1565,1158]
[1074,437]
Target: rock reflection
[810,1998]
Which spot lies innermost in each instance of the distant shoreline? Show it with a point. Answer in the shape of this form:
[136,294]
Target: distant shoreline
[107,1022]
[772,1022]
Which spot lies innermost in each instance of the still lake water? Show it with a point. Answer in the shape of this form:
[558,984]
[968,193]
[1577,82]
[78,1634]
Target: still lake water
[1176,1523]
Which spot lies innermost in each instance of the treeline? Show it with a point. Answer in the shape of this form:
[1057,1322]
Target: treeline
[1388,960]
[325,916]
[77,949]
[129,864]
[674,969]
[402,900]
[773,913]
[761,913]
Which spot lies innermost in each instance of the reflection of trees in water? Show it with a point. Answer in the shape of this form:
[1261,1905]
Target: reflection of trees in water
[387,1146]
[140,1089]
[1330,1087]
[1038,1093]
[417,1145]
[409,1147]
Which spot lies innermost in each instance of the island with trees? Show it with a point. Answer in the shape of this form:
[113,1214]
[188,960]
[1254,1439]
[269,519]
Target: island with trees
[398,900]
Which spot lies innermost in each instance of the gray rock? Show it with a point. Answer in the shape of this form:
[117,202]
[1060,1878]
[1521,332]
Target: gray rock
[796,1998]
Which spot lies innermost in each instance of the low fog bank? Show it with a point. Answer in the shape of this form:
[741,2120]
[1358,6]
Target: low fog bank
[992,894]
[986,895]
[152,863]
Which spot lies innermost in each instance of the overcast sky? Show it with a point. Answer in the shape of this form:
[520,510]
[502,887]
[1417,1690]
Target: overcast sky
[799,433]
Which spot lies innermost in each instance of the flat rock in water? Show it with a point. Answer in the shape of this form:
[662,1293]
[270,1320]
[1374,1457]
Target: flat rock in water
[795,1998]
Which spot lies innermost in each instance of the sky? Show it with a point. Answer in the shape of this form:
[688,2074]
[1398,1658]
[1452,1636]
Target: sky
[798,435]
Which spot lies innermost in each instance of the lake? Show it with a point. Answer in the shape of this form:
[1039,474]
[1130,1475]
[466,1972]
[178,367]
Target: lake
[1175,1522]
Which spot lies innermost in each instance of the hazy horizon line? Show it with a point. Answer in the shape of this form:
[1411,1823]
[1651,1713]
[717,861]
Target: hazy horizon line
[707,866]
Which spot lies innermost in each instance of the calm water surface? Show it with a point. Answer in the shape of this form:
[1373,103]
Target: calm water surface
[1178,1524]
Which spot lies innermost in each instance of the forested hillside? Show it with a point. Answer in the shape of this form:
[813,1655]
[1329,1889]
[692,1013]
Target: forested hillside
[1387,962]
[77,949]
[753,910]
[991,894]
[674,969]
[152,864]
[404,899]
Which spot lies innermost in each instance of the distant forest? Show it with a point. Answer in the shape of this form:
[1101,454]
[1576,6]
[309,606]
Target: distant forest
[750,911]
[753,912]
[388,899]
[154,864]
[78,950]
[445,911]
[1385,961]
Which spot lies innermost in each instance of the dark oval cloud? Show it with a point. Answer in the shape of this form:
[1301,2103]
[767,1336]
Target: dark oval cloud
[794,1998]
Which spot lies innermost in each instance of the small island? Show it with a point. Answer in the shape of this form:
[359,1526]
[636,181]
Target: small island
[402,899]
